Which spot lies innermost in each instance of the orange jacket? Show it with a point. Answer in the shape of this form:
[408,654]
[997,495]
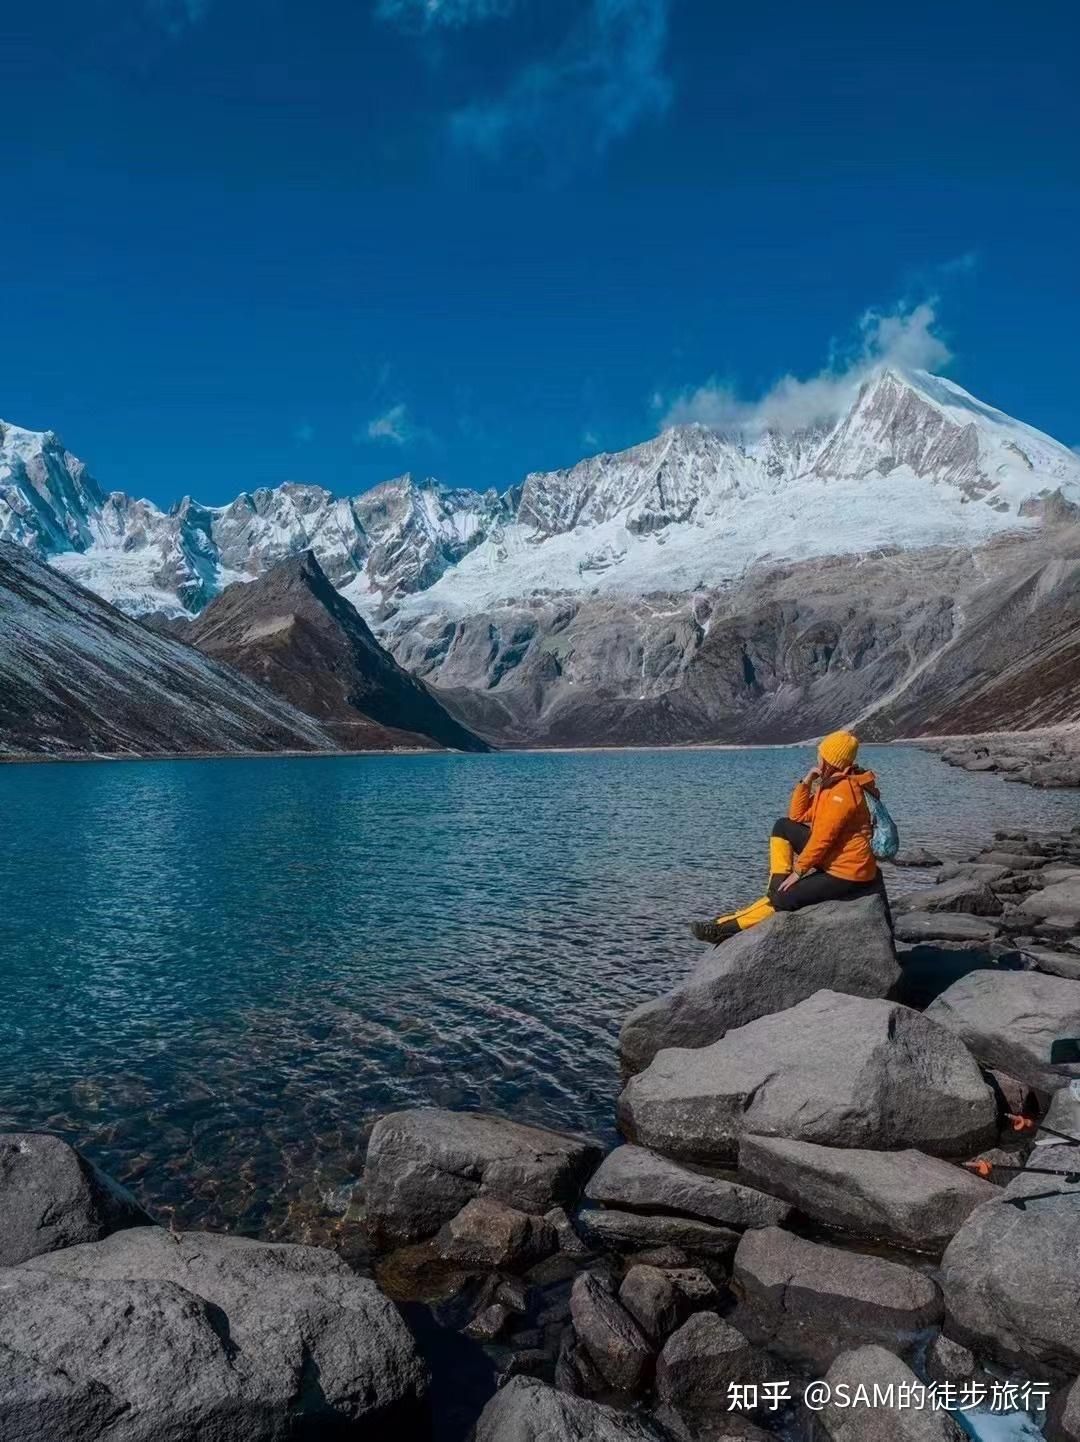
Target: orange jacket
[840,826]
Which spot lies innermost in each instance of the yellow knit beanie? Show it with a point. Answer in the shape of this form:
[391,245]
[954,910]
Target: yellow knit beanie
[839,749]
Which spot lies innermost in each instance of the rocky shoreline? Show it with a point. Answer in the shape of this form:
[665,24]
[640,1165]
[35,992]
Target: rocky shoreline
[820,1178]
[1048,758]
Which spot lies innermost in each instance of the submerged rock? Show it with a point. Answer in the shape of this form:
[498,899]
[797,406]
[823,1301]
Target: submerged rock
[904,1197]
[1011,1275]
[836,1070]
[51,1197]
[193,1334]
[843,945]
[526,1410]
[808,1302]
[424,1165]
[635,1178]
[1010,1020]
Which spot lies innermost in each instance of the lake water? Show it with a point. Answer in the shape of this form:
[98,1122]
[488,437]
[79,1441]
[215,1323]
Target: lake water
[215,975]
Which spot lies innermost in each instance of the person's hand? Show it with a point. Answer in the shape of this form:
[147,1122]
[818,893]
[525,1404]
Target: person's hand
[789,881]
[814,774]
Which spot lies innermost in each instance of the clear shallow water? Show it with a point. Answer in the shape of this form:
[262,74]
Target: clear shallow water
[215,975]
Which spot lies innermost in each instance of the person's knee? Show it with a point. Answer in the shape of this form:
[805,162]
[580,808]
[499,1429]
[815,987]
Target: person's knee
[786,900]
[780,827]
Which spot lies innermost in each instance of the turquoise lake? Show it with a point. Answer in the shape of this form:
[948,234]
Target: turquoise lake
[215,975]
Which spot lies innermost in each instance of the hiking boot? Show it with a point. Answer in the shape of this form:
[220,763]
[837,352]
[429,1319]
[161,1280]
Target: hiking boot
[713,931]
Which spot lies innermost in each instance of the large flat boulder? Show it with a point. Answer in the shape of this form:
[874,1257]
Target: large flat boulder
[843,945]
[51,1197]
[635,1178]
[1010,1019]
[855,1375]
[424,1165]
[903,1197]
[916,926]
[619,1230]
[1061,900]
[194,1334]
[808,1302]
[836,1070]
[526,1410]
[960,894]
[1011,1275]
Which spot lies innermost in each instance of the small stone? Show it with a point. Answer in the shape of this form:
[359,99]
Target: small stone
[488,1324]
[652,1299]
[563,1227]
[948,1361]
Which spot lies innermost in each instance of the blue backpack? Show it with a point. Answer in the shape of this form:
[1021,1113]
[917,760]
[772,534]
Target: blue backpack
[884,839]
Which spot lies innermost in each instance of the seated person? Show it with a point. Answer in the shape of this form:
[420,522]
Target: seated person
[819,851]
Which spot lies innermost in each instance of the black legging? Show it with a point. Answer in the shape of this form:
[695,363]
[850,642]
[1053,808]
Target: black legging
[819,885]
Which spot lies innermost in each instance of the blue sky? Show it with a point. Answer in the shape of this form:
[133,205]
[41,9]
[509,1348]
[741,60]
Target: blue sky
[332,240]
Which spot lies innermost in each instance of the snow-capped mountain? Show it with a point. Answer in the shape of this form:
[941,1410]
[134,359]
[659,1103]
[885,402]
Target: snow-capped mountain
[916,462]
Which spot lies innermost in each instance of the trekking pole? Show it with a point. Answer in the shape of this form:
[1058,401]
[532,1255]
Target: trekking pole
[984,1169]
[1029,1124]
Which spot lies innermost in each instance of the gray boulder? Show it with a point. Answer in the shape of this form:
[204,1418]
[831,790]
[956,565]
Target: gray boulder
[808,1302]
[916,926]
[837,1070]
[701,1360]
[916,856]
[1063,1415]
[489,1234]
[867,1367]
[1010,860]
[51,1197]
[635,1178]
[1062,900]
[960,894]
[904,1197]
[618,1347]
[843,945]
[1011,1275]
[424,1165]
[526,1410]
[1053,963]
[215,1336]
[630,1231]
[948,1361]
[1009,1020]
[653,1300]
[971,871]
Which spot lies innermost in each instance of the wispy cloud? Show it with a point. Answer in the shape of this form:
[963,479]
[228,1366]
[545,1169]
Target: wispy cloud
[393,425]
[905,337]
[445,14]
[304,433]
[605,77]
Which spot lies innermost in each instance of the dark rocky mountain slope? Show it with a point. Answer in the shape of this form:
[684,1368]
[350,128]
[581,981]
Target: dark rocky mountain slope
[77,677]
[291,631]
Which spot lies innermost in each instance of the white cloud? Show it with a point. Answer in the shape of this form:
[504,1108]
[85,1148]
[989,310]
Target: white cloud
[904,337]
[393,425]
[450,14]
[606,76]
